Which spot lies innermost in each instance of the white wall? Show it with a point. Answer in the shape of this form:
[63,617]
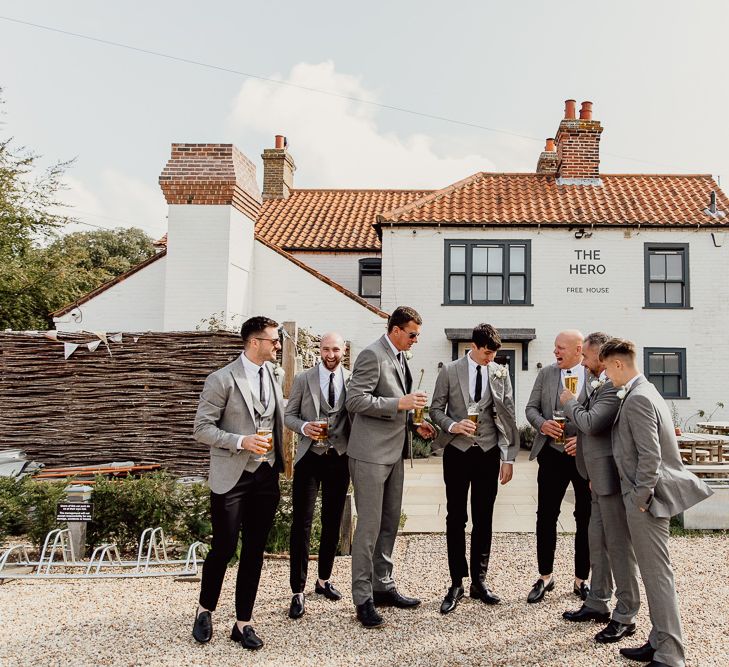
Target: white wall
[134,304]
[413,274]
[286,292]
[209,255]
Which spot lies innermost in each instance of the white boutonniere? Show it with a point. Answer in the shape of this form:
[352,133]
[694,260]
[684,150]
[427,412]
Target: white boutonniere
[596,384]
[501,372]
[621,393]
[408,355]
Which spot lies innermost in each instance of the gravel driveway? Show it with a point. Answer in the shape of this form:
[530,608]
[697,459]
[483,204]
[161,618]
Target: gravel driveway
[148,621]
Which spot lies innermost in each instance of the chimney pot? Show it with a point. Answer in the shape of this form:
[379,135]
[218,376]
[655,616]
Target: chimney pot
[586,111]
[550,146]
[569,109]
[280,141]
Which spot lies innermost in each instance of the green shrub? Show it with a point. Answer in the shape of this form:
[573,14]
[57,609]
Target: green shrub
[13,515]
[421,447]
[42,497]
[278,537]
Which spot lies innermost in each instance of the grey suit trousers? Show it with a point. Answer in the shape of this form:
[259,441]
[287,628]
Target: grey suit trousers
[612,557]
[378,498]
[649,535]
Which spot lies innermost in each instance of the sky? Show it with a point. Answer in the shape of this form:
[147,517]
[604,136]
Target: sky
[654,70]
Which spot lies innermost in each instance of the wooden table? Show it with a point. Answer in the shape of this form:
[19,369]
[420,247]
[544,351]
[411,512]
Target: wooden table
[721,428]
[707,441]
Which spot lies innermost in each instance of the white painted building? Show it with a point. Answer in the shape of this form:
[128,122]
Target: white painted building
[640,256]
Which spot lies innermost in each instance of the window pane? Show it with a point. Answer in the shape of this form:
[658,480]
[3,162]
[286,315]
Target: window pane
[458,288]
[657,293]
[671,385]
[516,288]
[670,364]
[458,258]
[495,288]
[655,364]
[371,285]
[496,260]
[674,293]
[480,259]
[657,267]
[674,266]
[658,381]
[479,288]
[517,259]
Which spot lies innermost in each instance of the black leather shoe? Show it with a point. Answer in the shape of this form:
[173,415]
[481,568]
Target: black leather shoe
[392,598]
[614,632]
[450,601]
[582,590]
[248,638]
[480,592]
[328,591]
[296,608]
[539,589]
[584,613]
[367,615]
[643,653]
[202,631]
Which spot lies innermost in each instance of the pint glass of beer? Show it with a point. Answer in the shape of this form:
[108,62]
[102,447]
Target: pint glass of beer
[323,424]
[559,417]
[473,412]
[268,434]
[570,383]
[418,416]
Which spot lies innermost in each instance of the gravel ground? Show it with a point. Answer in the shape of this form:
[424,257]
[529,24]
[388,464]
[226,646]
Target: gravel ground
[149,621]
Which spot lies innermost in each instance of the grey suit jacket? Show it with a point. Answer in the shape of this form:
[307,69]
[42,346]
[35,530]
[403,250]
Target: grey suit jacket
[303,406]
[543,400]
[594,420]
[450,405]
[224,413]
[375,388]
[647,456]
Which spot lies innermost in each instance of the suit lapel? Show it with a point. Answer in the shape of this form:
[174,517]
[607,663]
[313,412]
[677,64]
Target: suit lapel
[313,382]
[462,373]
[398,367]
[239,375]
[492,384]
[638,381]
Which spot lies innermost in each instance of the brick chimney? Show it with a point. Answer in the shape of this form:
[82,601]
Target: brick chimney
[547,163]
[278,170]
[578,145]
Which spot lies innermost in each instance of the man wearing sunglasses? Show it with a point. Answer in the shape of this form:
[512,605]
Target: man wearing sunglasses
[379,399]
[237,403]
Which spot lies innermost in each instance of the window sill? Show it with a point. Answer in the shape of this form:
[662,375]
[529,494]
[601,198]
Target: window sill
[489,305]
[668,307]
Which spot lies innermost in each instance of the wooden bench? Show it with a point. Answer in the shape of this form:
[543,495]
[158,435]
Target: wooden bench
[717,470]
[688,454]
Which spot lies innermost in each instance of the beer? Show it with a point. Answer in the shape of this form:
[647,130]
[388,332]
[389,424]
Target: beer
[562,422]
[418,416]
[268,434]
[473,416]
[323,424]
[570,383]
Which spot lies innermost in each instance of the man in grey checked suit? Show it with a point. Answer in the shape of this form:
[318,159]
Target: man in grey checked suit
[379,398]
[557,469]
[611,553]
[655,486]
[317,395]
[475,457]
[235,403]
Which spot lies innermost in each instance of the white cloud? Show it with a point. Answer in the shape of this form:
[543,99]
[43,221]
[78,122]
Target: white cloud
[337,142]
[116,200]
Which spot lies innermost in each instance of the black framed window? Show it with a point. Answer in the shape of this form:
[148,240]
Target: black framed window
[665,367]
[487,272]
[667,275]
[370,277]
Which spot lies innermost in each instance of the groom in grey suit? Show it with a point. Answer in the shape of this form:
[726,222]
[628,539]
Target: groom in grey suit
[611,553]
[655,486]
[236,404]
[379,398]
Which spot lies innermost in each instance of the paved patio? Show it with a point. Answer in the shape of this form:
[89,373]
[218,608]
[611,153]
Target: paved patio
[424,501]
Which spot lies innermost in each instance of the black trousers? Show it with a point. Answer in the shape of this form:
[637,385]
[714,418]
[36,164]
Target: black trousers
[250,507]
[478,470]
[331,472]
[556,471]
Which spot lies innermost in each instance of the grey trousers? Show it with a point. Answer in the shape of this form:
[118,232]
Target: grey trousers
[612,558]
[378,497]
[649,535]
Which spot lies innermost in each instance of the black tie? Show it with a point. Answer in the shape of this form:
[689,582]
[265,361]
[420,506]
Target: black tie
[477,393]
[402,364]
[261,394]
[331,389]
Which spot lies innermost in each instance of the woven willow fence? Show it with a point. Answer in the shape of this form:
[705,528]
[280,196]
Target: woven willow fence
[137,404]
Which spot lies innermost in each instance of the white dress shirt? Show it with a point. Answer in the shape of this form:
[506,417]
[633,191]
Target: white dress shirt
[630,382]
[254,383]
[324,374]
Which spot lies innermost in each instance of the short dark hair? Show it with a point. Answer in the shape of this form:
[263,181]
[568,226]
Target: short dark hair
[255,325]
[484,335]
[618,347]
[597,339]
[401,316]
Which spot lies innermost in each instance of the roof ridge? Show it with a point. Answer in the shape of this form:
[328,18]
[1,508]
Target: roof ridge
[361,190]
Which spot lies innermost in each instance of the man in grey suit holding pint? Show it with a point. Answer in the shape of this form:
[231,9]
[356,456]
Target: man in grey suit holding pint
[379,399]
[611,553]
[655,486]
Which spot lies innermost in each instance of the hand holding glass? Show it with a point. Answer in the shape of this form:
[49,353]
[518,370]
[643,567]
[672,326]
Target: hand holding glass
[268,434]
[558,416]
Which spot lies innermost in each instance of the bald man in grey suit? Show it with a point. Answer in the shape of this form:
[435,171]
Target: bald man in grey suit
[611,553]
[655,486]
